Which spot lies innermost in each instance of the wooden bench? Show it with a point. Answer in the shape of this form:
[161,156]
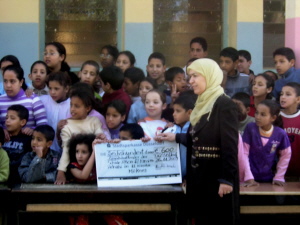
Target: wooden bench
[267,189]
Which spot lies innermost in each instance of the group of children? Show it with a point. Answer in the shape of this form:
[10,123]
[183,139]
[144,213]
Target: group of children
[49,128]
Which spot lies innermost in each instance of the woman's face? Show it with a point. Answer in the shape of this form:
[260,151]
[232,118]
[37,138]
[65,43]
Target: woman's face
[197,81]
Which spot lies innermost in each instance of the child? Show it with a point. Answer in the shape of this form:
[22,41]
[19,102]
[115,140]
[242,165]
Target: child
[131,131]
[54,56]
[264,141]
[115,116]
[290,114]
[156,69]
[155,103]
[57,103]
[235,81]
[183,107]
[4,160]
[198,48]
[82,158]
[125,60]
[137,109]
[89,73]
[4,62]
[262,88]
[80,122]
[108,56]
[40,165]
[38,75]
[112,80]
[14,86]
[19,143]
[132,78]
[95,110]
[272,74]
[284,59]
[242,100]
[245,63]
[175,78]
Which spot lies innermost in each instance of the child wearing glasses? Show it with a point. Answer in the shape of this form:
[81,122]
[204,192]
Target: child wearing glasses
[108,56]
[54,56]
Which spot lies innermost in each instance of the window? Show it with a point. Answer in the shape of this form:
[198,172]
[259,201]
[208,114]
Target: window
[176,22]
[274,29]
[82,26]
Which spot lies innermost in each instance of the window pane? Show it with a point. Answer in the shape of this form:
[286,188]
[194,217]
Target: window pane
[274,29]
[176,22]
[82,26]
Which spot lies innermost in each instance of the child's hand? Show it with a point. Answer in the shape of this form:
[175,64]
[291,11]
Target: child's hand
[7,135]
[61,124]
[145,139]
[250,183]
[28,92]
[116,141]
[60,178]
[165,137]
[28,131]
[39,152]
[277,182]
[169,124]
[174,93]
[101,137]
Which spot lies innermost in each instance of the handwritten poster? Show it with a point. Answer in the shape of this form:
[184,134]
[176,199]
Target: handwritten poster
[130,163]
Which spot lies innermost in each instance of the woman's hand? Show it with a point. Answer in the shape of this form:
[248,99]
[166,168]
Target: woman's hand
[165,137]
[224,189]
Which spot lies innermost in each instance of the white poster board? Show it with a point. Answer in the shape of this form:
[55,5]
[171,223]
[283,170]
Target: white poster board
[131,163]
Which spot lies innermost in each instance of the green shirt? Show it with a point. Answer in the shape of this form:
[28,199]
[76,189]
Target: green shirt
[4,165]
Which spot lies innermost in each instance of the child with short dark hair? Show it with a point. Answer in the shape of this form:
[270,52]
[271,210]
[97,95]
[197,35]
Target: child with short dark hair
[131,131]
[242,100]
[82,158]
[137,109]
[38,76]
[57,103]
[175,78]
[245,63]
[183,107]
[89,73]
[4,159]
[284,59]
[156,69]
[40,165]
[115,116]
[132,78]
[235,81]
[198,48]
[112,79]
[290,114]
[19,143]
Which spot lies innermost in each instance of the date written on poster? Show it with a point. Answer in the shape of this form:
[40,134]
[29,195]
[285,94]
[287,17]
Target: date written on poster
[130,163]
